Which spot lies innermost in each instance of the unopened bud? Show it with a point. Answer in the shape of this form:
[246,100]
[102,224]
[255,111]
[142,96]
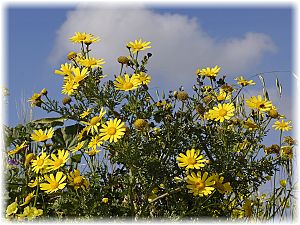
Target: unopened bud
[66,100]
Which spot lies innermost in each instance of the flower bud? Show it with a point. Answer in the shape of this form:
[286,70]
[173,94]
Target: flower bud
[182,95]
[71,55]
[123,60]
[140,124]
[66,100]
[207,99]
[273,113]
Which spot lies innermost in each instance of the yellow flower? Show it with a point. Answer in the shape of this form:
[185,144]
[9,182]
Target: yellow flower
[126,83]
[140,124]
[28,198]
[78,146]
[92,62]
[105,200]
[35,99]
[208,72]
[283,183]
[93,152]
[18,148]
[69,86]
[91,39]
[113,130]
[85,113]
[282,126]
[223,95]
[78,181]
[41,163]
[65,70]
[247,207]
[34,183]
[59,161]
[259,103]
[28,158]
[137,46]
[54,183]
[40,135]
[222,112]
[250,125]
[82,37]
[12,209]
[79,75]
[30,213]
[243,82]
[95,141]
[143,78]
[221,187]
[192,159]
[92,125]
[200,185]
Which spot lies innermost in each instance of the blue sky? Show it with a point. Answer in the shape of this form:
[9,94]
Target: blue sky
[36,48]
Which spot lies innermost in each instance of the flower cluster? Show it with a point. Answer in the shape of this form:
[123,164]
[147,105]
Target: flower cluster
[116,149]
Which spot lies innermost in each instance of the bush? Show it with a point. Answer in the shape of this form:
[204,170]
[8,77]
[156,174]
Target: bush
[116,151]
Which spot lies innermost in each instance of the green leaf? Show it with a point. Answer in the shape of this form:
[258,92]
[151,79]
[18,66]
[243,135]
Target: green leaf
[76,158]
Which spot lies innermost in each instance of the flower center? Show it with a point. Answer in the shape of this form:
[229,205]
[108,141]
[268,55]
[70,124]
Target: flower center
[54,184]
[222,112]
[138,46]
[78,180]
[200,185]
[191,161]
[111,130]
[40,162]
[95,120]
[58,162]
[127,85]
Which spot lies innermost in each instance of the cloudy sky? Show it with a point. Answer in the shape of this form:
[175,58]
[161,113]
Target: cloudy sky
[243,41]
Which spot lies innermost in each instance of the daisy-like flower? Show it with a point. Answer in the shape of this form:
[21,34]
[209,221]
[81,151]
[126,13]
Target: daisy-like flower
[59,160]
[224,95]
[35,99]
[92,62]
[221,112]
[69,86]
[91,39]
[54,183]
[112,130]
[11,209]
[93,151]
[95,141]
[78,181]
[243,82]
[208,72]
[126,83]
[282,125]
[81,37]
[28,198]
[262,105]
[200,185]
[30,213]
[94,123]
[192,159]
[220,186]
[36,182]
[65,70]
[138,45]
[79,75]
[18,148]
[250,125]
[78,146]
[85,113]
[41,163]
[143,78]
[40,135]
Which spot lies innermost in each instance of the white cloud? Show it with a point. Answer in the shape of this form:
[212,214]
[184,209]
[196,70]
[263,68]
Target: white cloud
[179,44]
